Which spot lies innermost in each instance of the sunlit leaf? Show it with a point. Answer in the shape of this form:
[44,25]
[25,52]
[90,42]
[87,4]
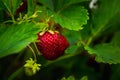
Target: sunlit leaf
[60,4]
[72,18]
[16,37]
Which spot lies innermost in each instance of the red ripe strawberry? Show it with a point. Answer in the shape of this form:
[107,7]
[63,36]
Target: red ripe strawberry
[52,45]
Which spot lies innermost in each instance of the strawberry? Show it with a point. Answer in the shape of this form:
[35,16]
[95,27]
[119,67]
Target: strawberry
[52,45]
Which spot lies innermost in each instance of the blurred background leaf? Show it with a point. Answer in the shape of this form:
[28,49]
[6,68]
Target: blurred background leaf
[47,3]
[15,4]
[116,39]
[31,7]
[7,5]
[103,15]
[11,5]
[69,78]
[84,78]
[62,4]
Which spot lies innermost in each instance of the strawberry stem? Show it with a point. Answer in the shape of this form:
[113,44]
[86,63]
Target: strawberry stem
[78,51]
[36,48]
[35,59]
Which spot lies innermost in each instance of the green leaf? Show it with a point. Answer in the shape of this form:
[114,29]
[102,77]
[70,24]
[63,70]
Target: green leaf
[15,5]
[84,78]
[2,5]
[7,5]
[85,33]
[47,3]
[116,39]
[106,53]
[103,14]
[63,78]
[31,7]
[69,78]
[11,5]
[69,34]
[60,4]
[16,37]
[72,18]
[46,14]
[72,49]
[89,49]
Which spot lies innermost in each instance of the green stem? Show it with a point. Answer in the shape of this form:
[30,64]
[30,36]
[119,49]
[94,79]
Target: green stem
[35,59]
[12,16]
[36,48]
[13,19]
[8,21]
[95,35]
[16,73]
[62,58]
[78,51]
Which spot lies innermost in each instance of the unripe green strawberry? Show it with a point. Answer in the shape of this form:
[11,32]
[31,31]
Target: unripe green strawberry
[52,45]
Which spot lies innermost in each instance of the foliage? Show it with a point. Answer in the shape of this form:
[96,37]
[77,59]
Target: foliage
[72,78]
[72,22]
[15,38]
[94,36]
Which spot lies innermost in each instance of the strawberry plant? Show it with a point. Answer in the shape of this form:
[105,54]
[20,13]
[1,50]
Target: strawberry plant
[59,40]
